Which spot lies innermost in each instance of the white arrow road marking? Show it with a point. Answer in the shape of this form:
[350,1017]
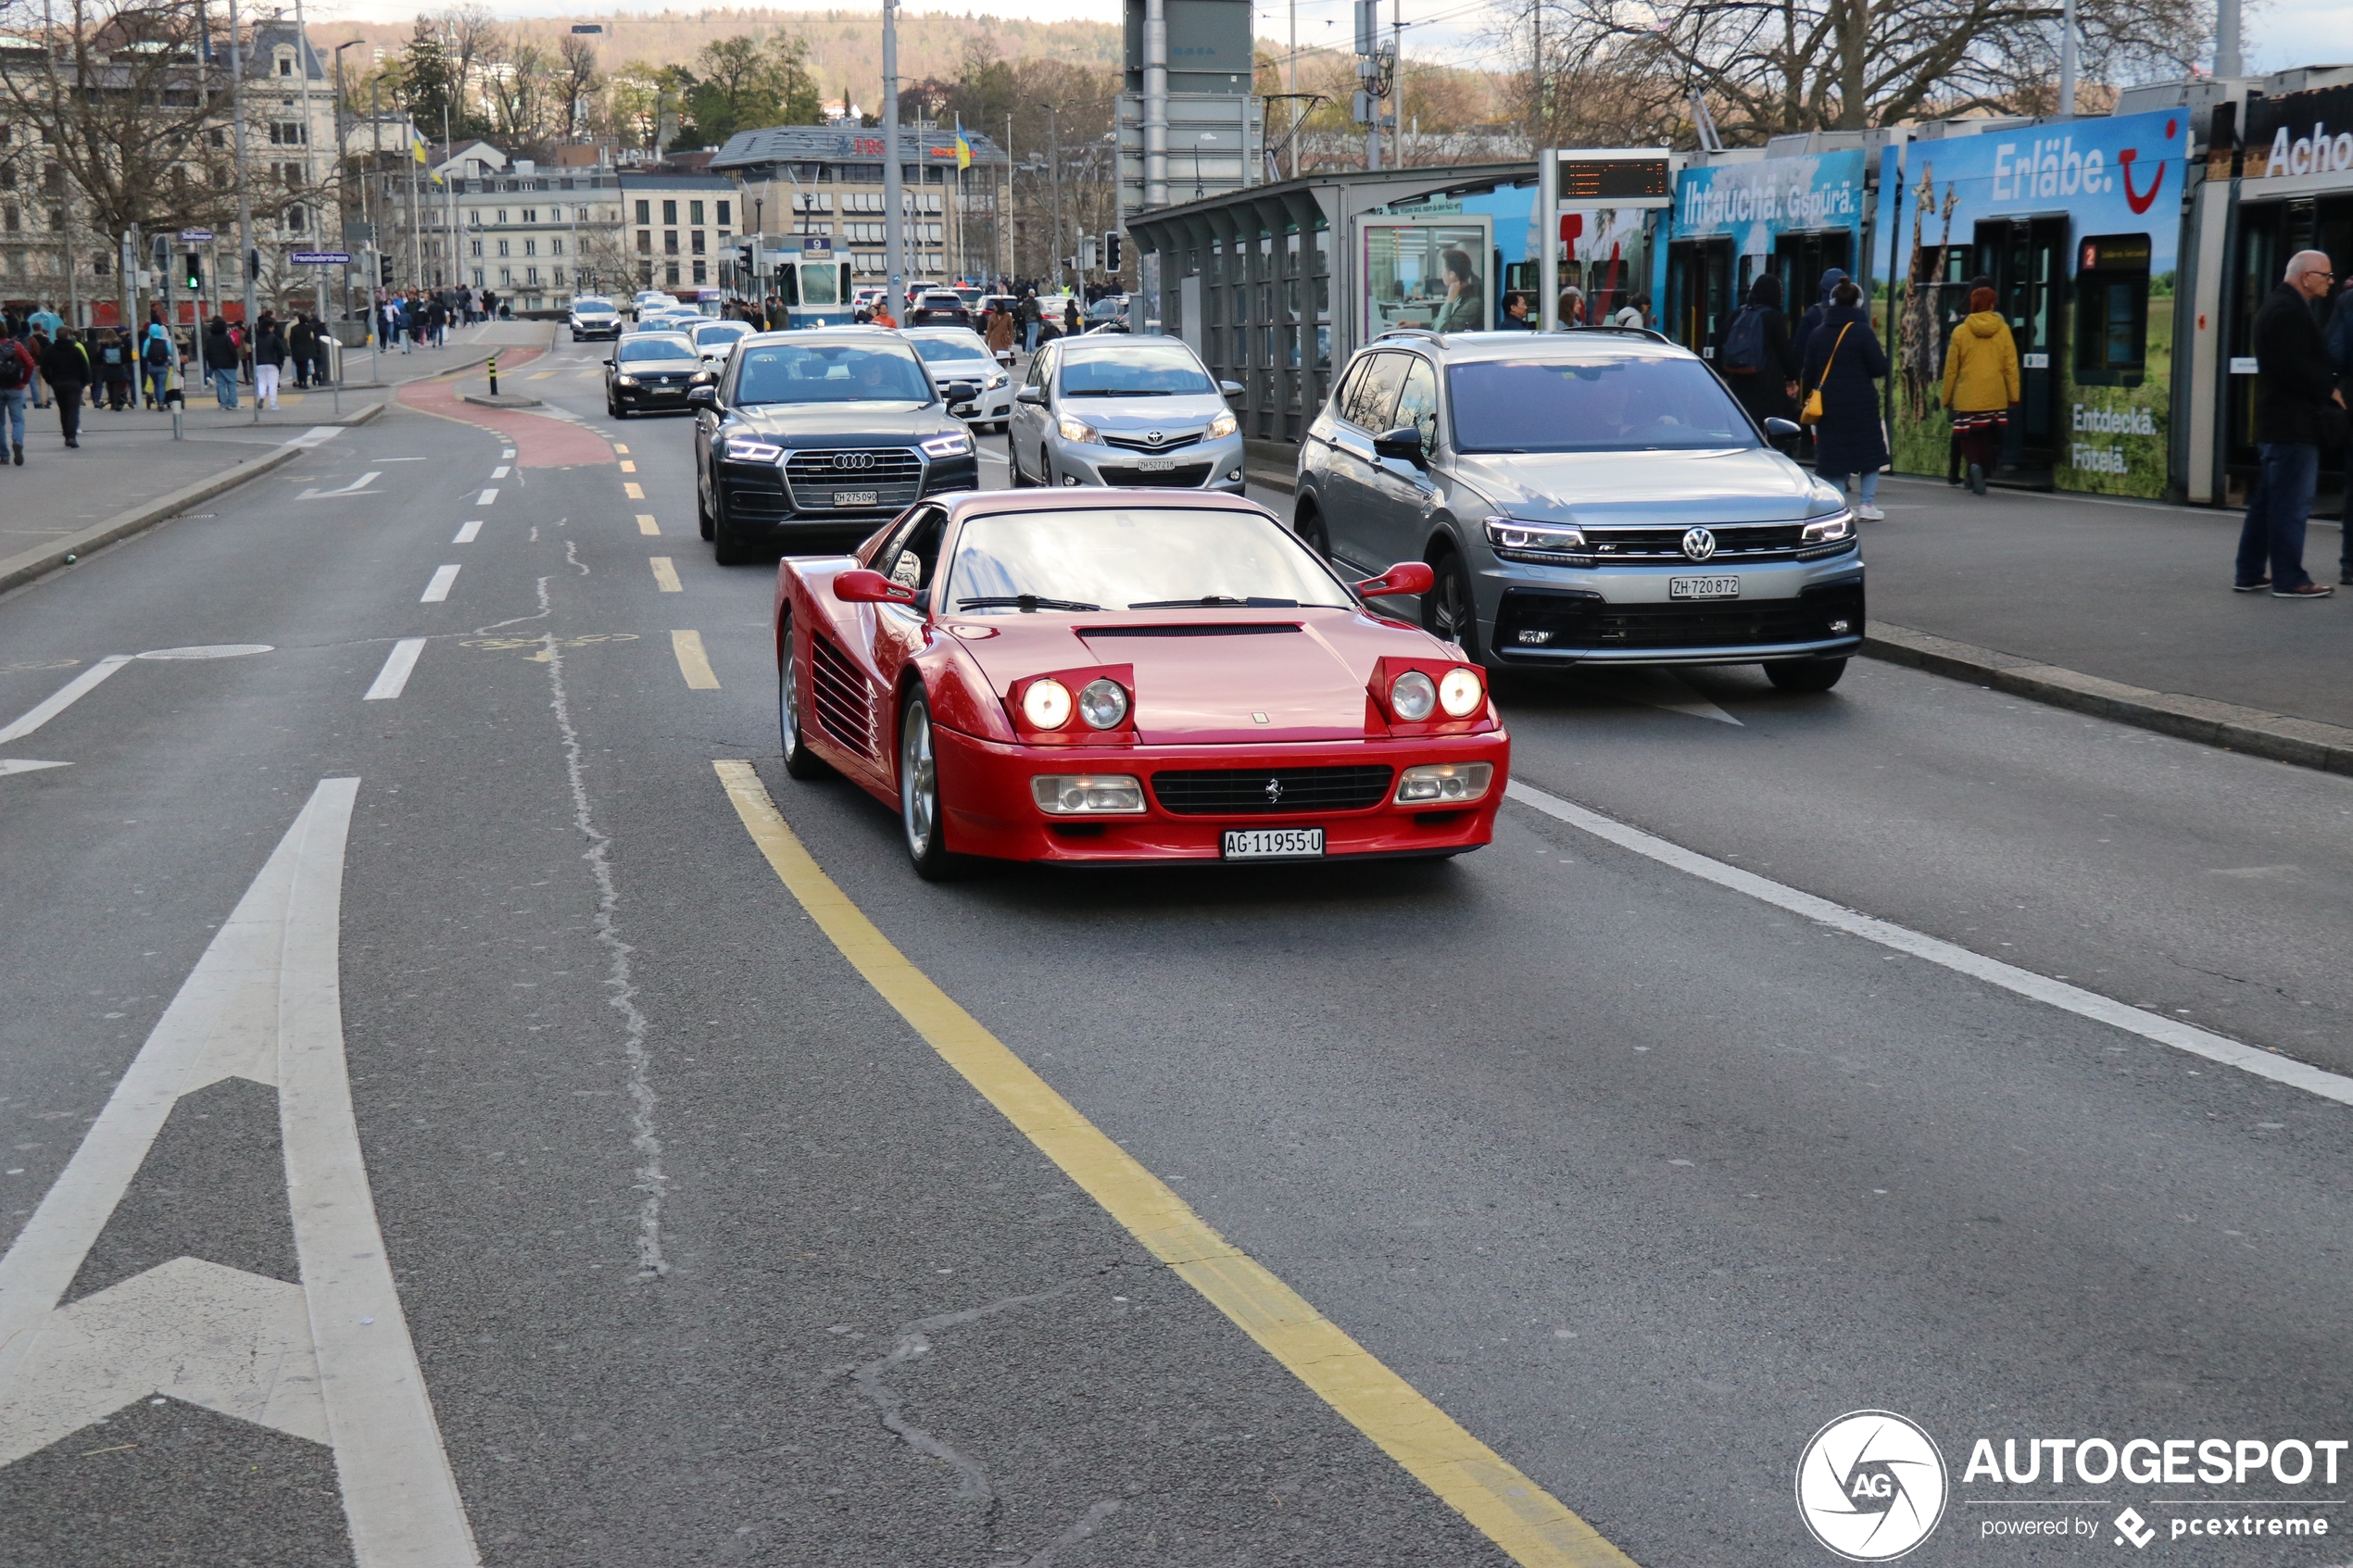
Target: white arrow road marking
[357,487]
[318,434]
[394,677]
[330,1359]
[65,697]
[438,589]
[25,765]
[2151,1026]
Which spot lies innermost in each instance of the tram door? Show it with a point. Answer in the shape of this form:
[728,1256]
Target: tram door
[1699,293]
[1801,259]
[2269,232]
[2028,261]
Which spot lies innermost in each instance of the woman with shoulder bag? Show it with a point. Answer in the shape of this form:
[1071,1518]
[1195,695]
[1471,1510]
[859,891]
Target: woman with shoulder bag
[1842,359]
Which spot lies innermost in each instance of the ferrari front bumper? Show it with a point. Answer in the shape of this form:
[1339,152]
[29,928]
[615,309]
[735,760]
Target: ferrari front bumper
[985,789]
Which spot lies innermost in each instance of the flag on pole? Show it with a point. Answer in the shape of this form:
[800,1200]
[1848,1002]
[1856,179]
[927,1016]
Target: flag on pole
[964,148]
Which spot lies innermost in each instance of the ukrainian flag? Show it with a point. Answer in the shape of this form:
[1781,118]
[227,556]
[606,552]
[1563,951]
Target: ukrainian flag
[963,150]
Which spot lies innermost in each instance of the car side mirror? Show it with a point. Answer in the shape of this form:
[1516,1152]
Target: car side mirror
[702,397]
[1781,429]
[1230,388]
[607,361]
[872,588]
[1404,441]
[962,391]
[1035,396]
[1405,577]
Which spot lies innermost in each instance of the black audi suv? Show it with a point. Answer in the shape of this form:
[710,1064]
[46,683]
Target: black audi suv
[809,440]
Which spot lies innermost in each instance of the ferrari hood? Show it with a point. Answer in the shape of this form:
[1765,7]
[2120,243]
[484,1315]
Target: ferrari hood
[1204,678]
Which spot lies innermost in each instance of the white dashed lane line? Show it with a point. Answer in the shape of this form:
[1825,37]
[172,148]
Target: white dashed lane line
[438,589]
[469,532]
[394,676]
[487,497]
[65,697]
[498,472]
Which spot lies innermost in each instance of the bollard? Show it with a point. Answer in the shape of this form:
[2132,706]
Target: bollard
[494,375]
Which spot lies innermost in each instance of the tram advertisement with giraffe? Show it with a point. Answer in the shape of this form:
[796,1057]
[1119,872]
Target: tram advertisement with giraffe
[2078,225]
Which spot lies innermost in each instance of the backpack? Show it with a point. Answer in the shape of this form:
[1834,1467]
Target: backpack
[157,353]
[12,366]
[1744,344]
[113,353]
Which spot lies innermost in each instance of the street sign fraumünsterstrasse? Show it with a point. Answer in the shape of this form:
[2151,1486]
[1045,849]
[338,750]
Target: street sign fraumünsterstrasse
[320,258]
[194,236]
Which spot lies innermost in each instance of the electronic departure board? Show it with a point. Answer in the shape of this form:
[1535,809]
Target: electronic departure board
[1595,179]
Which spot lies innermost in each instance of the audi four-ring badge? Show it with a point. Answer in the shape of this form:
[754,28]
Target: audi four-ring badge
[1594,497]
[809,440]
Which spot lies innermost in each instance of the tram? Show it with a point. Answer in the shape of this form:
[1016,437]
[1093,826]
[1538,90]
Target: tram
[804,271]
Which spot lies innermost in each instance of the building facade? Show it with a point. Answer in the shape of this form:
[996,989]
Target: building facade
[827,179]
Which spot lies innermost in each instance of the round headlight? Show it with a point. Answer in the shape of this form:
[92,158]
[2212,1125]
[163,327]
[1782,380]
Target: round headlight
[1459,693]
[1102,703]
[1412,695]
[1046,705]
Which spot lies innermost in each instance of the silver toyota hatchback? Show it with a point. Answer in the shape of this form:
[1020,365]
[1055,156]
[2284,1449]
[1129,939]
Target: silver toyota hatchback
[1115,409]
[1596,496]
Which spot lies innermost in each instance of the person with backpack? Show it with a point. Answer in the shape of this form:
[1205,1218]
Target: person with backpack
[65,365]
[220,361]
[114,373]
[154,363]
[1842,359]
[269,359]
[1757,360]
[16,371]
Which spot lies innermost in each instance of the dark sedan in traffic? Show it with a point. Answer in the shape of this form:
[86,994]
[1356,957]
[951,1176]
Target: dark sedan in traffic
[649,371]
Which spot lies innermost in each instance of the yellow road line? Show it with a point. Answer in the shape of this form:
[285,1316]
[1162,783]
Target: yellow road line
[618,450]
[628,466]
[631,489]
[646,523]
[1511,1509]
[665,574]
[693,663]
[540,375]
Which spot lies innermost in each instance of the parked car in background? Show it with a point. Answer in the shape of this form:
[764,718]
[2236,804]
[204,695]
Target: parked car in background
[959,354]
[1596,496]
[1124,410]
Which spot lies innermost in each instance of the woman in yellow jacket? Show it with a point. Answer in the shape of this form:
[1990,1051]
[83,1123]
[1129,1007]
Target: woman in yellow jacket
[1981,385]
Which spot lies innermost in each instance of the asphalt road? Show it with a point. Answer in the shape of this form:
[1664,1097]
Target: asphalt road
[703,1254]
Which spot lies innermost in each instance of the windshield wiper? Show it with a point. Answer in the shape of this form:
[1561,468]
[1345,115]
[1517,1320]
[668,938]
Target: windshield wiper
[1128,391]
[1025,603]
[1210,601]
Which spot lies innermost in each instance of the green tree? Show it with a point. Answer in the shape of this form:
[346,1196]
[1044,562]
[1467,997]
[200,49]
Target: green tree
[428,86]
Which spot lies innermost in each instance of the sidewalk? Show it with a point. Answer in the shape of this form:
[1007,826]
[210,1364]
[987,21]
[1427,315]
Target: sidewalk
[2129,591]
[128,462]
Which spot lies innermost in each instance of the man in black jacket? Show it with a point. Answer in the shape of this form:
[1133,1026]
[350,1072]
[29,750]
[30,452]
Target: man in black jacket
[2293,386]
[65,365]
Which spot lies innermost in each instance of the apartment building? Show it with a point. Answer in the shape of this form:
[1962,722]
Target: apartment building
[677,227]
[828,179]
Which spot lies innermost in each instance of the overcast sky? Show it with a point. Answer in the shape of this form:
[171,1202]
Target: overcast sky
[2279,32]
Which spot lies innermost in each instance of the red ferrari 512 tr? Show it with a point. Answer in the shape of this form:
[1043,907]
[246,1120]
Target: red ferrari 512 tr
[1115,677]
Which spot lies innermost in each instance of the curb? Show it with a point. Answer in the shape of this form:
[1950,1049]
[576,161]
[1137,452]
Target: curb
[2303,743]
[42,559]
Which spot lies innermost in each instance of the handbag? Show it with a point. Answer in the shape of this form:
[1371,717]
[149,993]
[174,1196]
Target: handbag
[1812,413]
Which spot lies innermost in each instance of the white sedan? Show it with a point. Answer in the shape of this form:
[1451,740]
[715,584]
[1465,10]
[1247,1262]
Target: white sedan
[954,353]
[715,340]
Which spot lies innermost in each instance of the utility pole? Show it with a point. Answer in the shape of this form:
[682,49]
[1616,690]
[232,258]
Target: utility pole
[2067,61]
[894,198]
[1155,110]
[1054,175]
[343,173]
[1291,86]
[1005,213]
[2226,39]
[247,257]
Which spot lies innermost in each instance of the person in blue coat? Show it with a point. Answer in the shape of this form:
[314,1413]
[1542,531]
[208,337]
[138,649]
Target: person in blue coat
[1811,323]
[1843,358]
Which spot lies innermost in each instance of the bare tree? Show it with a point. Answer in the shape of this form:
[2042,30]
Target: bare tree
[578,81]
[473,37]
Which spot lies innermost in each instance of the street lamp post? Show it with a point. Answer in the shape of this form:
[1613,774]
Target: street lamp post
[247,258]
[342,174]
[1055,173]
[894,219]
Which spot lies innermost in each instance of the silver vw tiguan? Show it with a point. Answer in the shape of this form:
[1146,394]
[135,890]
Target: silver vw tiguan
[1588,497]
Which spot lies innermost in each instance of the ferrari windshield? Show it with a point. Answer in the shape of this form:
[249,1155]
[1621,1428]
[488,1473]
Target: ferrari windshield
[1133,558]
[830,372]
[1646,404]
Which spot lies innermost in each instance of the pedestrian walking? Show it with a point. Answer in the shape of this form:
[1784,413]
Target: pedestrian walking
[16,371]
[1070,317]
[48,325]
[2340,340]
[1001,330]
[300,340]
[1757,359]
[1842,359]
[1981,385]
[1635,313]
[2297,410]
[269,358]
[1570,309]
[1954,441]
[1802,339]
[66,367]
[114,373]
[1029,309]
[154,363]
[220,362]
[1515,308]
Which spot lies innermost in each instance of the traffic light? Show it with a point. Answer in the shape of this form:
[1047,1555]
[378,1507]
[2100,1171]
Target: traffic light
[192,275]
[1113,245]
[384,271]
